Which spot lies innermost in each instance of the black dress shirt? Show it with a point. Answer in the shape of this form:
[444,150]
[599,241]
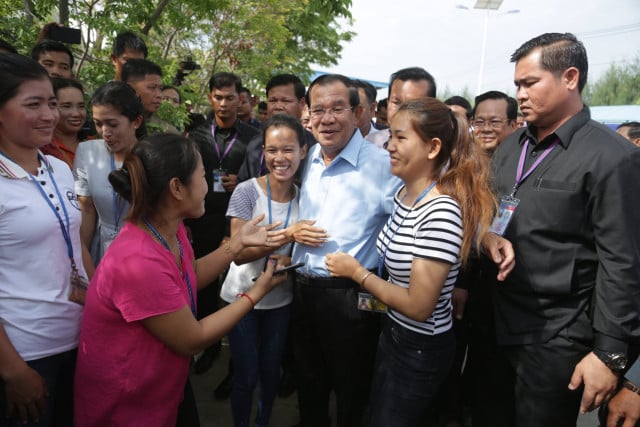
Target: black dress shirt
[576,236]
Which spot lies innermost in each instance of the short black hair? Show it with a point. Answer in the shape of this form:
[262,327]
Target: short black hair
[559,51]
[460,101]
[223,79]
[369,90]
[286,79]
[382,104]
[137,69]
[414,74]
[262,105]
[634,129]
[245,90]
[50,46]
[7,47]
[327,79]
[512,104]
[128,40]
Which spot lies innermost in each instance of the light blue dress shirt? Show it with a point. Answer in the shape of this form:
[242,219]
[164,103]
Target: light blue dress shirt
[351,199]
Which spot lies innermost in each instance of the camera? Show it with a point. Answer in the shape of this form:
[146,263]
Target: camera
[189,64]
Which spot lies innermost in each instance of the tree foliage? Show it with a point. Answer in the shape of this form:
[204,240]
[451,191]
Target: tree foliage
[620,85]
[253,38]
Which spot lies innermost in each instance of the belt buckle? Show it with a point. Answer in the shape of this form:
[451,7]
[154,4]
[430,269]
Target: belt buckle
[302,279]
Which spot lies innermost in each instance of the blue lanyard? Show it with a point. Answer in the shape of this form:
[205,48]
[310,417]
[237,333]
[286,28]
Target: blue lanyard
[521,175]
[390,220]
[286,222]
[64,225]
[185,272]
[117,207]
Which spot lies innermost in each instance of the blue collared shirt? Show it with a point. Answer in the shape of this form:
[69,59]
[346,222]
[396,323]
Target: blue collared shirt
[351,199]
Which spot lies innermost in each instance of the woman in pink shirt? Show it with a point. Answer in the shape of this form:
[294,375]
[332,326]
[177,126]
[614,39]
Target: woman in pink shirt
[139,327]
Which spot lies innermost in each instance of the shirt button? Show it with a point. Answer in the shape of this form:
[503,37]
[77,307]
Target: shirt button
[51,196]
[42,183]
[534,153]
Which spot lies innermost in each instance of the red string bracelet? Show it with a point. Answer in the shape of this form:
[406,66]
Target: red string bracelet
[244,294]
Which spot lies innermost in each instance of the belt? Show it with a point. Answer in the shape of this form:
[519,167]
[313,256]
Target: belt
[325,282]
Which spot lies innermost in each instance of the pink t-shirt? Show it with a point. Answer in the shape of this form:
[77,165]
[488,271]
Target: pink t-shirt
[125,375]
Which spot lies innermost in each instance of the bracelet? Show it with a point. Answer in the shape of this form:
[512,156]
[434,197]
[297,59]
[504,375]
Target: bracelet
[244,294]
[364,278]
[227,249]
[631,386]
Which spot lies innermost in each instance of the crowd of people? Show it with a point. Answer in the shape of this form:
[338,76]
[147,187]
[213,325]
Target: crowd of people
[452,264]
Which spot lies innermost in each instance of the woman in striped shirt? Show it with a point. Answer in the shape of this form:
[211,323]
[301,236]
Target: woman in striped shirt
[445,202]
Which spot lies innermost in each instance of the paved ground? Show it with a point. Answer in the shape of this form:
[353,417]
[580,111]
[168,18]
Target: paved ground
[285,412]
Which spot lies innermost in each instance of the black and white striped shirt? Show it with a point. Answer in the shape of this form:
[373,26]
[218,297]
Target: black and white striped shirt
[432,230]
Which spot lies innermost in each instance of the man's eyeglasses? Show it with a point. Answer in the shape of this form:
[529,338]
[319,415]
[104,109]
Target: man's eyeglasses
[318,113]
[493,124]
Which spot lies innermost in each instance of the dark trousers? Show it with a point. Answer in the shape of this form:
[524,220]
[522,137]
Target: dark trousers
[334,347]
[57,372]
[410,368]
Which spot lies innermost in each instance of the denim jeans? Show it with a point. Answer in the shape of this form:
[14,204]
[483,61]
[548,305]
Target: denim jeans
[257,343]
[409,369]
[57,372]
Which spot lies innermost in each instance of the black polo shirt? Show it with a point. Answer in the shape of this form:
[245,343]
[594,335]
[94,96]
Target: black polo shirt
[576,235]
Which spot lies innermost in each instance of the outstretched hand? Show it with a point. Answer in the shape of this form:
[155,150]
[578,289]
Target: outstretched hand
[251,234]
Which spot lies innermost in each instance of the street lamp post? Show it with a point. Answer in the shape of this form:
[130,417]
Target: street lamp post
[486,5]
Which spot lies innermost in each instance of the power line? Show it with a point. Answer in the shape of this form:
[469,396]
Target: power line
[621,29]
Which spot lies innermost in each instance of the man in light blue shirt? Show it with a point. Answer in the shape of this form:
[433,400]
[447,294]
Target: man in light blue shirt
[347,196]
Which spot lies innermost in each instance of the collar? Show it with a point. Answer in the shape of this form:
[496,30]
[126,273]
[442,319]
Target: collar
[11,170]
[349,152]
[564,133]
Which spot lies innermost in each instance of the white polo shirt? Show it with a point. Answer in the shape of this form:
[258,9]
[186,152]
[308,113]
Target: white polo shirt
[34,266]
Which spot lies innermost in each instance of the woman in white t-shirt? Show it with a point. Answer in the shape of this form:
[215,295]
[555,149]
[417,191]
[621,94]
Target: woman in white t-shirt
[40,254]
[446,201]
[257,341]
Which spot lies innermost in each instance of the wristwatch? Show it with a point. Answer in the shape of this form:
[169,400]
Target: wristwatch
[614,361]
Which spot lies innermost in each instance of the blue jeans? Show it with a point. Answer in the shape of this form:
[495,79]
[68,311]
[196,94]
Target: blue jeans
[257,343]
[57,372]
[409,369]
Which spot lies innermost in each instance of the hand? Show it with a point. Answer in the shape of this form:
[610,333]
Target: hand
[599,382]
[253,235]
[500,250]
[459,299]
[305,233]
[26,395]
[340,264]
[229,182]
[625,405]
[267,281]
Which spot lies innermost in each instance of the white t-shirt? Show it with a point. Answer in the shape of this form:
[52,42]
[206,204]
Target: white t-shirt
[430,231]
[34,266]
[248,201]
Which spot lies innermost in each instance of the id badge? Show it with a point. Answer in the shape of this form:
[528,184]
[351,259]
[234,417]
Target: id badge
[217,180]
[507,207]
[78,288]
[367,302]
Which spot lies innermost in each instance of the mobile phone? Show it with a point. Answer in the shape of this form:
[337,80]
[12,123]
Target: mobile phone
[284,270]
[65,34]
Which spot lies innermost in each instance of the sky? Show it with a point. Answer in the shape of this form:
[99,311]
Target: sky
[446,39]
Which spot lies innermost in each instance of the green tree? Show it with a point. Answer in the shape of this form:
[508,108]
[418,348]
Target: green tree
[620,85]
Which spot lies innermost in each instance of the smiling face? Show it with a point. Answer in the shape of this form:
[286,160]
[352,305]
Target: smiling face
[28,119]
[73,112]
[282,152]
[196,190]
[149,90]
[332,131]
[116,129]
[410,156]
[491,125]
